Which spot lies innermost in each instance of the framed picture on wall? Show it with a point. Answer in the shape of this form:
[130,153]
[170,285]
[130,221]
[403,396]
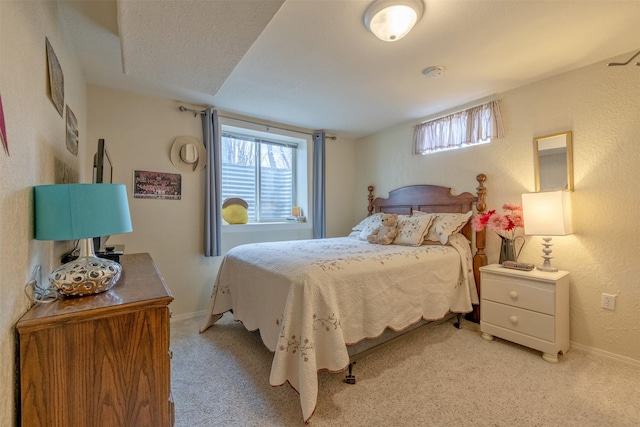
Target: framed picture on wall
[72,132]
[56,79]
[3,129]
[157,185]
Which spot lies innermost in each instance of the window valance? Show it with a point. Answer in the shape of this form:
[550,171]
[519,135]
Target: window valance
[472,126]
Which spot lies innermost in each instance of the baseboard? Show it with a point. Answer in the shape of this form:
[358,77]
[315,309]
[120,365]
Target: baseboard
[188,316]
[606,354]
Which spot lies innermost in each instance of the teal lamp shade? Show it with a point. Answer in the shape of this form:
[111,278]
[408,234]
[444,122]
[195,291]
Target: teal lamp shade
[79,211]
[82,211]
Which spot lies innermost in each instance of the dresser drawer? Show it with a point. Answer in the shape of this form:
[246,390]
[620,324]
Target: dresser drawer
[527,322]
[518,294]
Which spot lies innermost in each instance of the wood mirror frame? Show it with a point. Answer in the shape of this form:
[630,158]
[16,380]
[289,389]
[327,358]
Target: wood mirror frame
[553,161]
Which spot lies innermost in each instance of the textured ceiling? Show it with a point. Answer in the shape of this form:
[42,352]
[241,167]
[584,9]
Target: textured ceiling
[190,44]
[313,64]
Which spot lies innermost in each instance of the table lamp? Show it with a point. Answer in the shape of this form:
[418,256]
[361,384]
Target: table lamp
[82,211]
[547,214]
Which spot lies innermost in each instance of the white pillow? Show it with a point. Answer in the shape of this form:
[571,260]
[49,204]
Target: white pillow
[445,225]
[374,221]
[413,229]
[364,222]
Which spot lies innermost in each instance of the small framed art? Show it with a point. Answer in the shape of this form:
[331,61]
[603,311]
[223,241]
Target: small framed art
[157,185]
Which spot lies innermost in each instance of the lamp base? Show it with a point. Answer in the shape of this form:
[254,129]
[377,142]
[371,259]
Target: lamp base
[86,275]
[543,268]
[546,250]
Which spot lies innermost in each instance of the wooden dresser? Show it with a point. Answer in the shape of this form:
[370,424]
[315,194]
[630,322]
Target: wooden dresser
[100,360]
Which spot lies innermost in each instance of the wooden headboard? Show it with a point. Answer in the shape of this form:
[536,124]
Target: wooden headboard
[434,199]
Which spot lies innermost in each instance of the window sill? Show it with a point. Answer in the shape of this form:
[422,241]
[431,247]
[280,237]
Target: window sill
[272,226]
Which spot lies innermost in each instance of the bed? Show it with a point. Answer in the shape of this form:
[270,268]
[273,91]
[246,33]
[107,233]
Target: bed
[325,303]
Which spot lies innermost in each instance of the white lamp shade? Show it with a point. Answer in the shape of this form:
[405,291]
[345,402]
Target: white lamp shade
[547,213]
[391,20]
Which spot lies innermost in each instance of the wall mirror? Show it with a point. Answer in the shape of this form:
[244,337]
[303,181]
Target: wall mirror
[553,162]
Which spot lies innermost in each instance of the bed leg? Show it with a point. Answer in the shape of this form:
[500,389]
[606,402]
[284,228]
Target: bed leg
[350,379]
[458,318]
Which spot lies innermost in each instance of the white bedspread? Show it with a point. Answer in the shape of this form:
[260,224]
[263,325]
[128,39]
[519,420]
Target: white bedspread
[311,298]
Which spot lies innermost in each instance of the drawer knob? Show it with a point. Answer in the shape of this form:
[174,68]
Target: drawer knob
[513,295]
[513,320]
[170,354]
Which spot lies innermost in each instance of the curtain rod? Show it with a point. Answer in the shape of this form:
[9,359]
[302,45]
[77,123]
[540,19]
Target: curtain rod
[196,112]
[191,110]
[618,64]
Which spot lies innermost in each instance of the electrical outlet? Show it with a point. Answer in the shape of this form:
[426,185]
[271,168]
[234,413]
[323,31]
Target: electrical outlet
[609,301]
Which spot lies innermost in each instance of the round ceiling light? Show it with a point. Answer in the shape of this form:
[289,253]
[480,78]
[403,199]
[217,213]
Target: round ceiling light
[434,72]
[391,20]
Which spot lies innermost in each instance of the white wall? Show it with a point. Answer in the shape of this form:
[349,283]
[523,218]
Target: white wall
[601,106]
[38,155]
[139,131]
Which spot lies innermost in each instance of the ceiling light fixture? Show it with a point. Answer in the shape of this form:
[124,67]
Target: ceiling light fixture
[391,20]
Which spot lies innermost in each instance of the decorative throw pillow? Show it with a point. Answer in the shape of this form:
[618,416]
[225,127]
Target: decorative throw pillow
[446,224]
[365,221]
[374,221]
[413,229]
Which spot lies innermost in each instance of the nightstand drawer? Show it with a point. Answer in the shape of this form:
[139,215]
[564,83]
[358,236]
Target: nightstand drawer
[518,294]
[527,322]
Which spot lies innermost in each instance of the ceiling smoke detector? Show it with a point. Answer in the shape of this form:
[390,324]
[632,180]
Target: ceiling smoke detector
[433,72]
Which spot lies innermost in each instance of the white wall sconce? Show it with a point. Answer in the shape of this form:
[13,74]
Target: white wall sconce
[391,20]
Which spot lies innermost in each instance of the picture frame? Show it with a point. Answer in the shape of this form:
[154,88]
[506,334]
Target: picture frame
[3,129]
[157,185]
[56,79]
[72,132]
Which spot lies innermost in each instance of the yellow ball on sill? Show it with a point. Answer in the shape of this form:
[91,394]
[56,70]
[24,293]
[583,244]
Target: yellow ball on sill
[234,211]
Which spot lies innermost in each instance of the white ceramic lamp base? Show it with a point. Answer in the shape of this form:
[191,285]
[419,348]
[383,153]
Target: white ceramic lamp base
[546,250]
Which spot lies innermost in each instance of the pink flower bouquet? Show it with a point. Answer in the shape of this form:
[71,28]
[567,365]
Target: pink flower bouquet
[505,225]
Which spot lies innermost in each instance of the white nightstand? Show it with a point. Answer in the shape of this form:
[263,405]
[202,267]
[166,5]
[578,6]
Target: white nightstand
[526,307]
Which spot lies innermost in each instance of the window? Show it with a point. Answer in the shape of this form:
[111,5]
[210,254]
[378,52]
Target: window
[262,171]
[475,125]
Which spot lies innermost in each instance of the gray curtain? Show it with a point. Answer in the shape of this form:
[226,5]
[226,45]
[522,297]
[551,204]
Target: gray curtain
[319,220]
[212,203]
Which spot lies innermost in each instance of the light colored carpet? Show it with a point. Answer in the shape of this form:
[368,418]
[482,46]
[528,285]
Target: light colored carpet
[444,377]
